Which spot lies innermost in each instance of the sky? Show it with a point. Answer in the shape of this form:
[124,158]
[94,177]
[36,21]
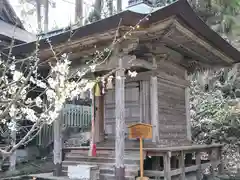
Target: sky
[60,16]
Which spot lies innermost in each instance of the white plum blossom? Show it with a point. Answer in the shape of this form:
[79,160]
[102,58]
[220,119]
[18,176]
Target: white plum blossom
[38,101]
[12,111]
[17,75]
[50,94]
[132,73]
[29,95]
[52,83]
[41,84]
[12,125]
[12,67]
[30,114]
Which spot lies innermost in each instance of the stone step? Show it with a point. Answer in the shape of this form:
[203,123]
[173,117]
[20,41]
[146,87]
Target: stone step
[130,167]
[110,170]
[128,172]
[65,173]
[99,159]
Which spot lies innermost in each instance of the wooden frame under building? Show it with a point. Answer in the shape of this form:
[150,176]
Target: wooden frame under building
[169,44]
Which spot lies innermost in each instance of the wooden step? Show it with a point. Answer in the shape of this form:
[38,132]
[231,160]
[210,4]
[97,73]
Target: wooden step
[103,152]
[99,159]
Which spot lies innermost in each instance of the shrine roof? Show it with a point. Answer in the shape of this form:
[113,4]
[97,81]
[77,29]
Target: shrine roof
[184,27]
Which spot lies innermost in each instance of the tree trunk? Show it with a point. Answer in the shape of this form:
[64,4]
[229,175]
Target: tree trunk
[79,12]
[46,10]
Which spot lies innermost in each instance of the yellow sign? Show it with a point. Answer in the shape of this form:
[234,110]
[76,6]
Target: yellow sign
[140,130]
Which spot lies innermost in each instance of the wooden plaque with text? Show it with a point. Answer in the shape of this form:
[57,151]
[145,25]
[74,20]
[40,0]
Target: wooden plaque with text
[140,130]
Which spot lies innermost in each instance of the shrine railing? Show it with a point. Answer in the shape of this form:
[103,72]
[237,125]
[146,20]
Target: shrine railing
[71,116]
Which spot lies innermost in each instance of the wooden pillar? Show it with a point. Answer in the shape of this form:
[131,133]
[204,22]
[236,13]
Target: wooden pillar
[144,102]
[120,122]
[57,151]
[182,165]
[99,121]
[46,13]
[154,107]
[119,6]
[187,105]
[167,165]
[213,160]
[79,12]
[13,157]
[221,165]
[198,163]
[101,118]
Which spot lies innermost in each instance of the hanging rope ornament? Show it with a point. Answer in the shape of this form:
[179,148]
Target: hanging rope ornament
[97,90]
[103,85]
[109,82]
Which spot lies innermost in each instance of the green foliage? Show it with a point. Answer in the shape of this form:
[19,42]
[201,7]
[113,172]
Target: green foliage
[214,106]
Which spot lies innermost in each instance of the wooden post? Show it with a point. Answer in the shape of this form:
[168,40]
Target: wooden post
[144,102]
[167,166]
[46,12]
[154,108]
[13,157]
[92,141]
[182,165]
[213,159]
[198,163]
[221,165]
[57,152]
[120,122]
[119,6]
[79,12]
[99,119]
[187,105]
[141,157]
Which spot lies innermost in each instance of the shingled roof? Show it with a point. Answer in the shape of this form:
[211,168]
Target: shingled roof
[11,26]
[182,16]
[8,15]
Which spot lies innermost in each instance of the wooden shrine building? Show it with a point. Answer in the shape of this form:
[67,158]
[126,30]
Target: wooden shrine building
[163,47]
